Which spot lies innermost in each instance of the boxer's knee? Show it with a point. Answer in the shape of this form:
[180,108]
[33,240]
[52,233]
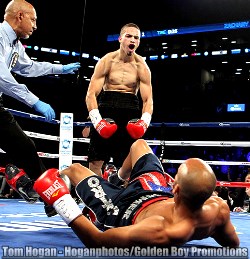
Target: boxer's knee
[140,144]
[75,167]
[76,173]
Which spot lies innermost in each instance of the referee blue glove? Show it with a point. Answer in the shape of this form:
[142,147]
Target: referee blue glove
[71,68]
[45,109]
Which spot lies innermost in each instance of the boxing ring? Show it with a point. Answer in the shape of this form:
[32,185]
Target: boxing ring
[26,231]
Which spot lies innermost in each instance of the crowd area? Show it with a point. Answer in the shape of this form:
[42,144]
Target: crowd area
[236,197]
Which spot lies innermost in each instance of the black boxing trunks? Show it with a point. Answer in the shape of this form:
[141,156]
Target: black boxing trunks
[121,107]
[114,206]
[115,99]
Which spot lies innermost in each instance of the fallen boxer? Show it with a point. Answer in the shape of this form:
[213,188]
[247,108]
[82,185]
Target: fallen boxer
[146,212]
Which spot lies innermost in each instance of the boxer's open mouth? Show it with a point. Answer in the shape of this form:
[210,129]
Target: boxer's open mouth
[131,46]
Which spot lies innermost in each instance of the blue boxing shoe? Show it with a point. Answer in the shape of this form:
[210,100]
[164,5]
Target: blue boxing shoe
[116,180]
[21,183]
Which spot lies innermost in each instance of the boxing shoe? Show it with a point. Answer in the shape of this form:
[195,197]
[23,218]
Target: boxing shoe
[116,180]
[21,183]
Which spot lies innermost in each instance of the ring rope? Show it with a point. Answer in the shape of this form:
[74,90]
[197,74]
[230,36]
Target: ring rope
[41,118]
[156,142]
[200,143]
[49,155]
[164,161]
[167,124]
[150,142]
[218,183]
[50,137]
[233,184]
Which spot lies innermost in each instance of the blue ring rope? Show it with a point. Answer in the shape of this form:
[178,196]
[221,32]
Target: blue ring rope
[162,124]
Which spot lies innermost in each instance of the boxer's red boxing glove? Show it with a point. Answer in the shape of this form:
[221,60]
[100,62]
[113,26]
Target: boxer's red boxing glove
[54,191]
[106,127]
[137,127]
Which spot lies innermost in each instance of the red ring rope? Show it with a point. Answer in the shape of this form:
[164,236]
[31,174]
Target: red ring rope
[219,183]
[233,184]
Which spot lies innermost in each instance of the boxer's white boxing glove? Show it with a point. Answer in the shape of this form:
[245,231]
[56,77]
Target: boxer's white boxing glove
[53,190]
[105,127]
[137,127]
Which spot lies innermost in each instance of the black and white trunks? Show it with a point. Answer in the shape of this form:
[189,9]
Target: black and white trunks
[115,206]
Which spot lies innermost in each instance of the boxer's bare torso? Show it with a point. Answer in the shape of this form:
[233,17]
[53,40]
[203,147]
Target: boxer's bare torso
[123,74]
[183,222]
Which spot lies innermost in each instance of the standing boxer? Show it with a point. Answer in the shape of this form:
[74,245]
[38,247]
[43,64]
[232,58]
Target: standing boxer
[116,116]
[19,23]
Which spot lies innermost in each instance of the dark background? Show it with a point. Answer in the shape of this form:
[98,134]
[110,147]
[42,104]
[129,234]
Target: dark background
[180,93]
[86,23]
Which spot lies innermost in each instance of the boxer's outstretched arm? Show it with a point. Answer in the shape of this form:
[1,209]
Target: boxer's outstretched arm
[151,231]
[225,235]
